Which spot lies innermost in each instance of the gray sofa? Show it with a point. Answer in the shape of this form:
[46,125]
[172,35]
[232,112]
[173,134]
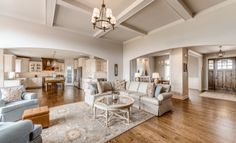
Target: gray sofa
[157,106]
[138,91]
[12,111]
[20,132]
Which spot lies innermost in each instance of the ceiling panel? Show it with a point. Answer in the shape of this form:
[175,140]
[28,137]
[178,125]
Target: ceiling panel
[73,20]
[117,6]
[44,53]
[30,10]
[211,49]
[156,15]
[199,5]
[120,34]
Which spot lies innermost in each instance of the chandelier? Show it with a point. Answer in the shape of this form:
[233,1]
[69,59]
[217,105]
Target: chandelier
[221,53]
[103,18]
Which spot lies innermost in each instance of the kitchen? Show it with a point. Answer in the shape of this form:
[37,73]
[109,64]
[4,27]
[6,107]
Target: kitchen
[33,71]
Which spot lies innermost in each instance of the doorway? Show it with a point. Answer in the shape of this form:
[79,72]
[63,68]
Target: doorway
[221,74]
[69,75]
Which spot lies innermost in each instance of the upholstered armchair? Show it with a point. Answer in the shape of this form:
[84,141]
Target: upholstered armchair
[20,132]
[12,111]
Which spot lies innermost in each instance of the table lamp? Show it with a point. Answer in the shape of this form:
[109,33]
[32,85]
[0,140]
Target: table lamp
[155,76]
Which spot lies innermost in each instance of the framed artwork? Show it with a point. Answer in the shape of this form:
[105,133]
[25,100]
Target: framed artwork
[116,69]
[185,67]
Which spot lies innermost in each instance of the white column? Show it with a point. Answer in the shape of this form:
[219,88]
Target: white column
[1,68]
[179,77]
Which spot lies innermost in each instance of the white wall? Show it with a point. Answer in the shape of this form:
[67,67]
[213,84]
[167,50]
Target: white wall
[20,34]
[193,76]
[213,28]
[205,65]
[1,68]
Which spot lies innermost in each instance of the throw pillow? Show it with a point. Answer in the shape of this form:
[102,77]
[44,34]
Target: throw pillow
[100,88]
[12,94]
[93,87]
[120,85]
[158,91]
[150,89]
[106,86]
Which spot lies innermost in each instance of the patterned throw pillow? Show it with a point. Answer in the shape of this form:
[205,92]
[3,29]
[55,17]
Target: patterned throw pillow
[150,89]
[120,85]
[12,94]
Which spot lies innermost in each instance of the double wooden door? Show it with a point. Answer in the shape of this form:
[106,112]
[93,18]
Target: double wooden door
[221,74]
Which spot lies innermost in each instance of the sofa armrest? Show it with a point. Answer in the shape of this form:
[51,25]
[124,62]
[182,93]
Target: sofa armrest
[29,96]
[36,132]
[164,96]
[12,132]
[2,103]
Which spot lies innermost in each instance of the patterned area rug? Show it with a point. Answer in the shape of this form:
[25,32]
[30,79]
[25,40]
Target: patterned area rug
[217,95]
[74,123]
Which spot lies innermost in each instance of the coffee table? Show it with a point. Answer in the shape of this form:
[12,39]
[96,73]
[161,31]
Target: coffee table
[119,107]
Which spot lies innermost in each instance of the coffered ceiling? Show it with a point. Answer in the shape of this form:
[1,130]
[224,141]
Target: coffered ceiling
[134,17]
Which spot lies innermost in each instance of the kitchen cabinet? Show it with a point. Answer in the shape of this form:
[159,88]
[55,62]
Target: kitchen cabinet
[22,65]
[75,64]
[35,66]
[60,67]
[9,63]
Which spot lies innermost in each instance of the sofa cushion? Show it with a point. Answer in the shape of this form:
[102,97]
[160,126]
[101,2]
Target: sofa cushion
[18,104]
[150,90]
[100,88]
[158,91]
[143,87]
[120,85]
[106,86]
[2,103]
[12,94]
[93,87]
[36,132]
[149,100]
[165,88]
[133,86]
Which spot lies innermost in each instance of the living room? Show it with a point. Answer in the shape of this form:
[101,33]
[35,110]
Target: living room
[117,71]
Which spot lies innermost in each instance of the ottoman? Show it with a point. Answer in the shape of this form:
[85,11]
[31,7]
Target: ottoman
[38,115]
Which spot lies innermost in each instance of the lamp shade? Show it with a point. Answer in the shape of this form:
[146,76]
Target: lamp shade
[155,75]
[137,74]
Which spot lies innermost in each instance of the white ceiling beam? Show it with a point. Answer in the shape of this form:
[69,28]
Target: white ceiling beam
[131,28]
[181,8]
[50,12]
[126,14]
[72,4]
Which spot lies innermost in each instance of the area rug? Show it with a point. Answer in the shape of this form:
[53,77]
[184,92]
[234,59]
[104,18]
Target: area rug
[222,96]
[74,123]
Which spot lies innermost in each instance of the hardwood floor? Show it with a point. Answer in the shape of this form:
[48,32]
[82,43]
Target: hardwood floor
[198,120]
[58,97]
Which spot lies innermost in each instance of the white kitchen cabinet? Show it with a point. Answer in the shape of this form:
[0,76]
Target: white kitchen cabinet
[22,65]
[9,63]
[35,66]
[75,64]
[60,67]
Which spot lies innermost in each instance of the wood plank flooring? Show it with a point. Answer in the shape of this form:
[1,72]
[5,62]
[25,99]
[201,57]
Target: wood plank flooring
[197,120]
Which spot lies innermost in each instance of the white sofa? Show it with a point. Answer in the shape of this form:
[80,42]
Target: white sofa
[138,91]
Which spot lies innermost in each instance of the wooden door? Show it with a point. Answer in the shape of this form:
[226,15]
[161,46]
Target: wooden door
[225,74]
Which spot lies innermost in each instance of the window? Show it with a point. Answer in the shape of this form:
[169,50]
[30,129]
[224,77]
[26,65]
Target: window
[167,69]
[211,65]
[224,64]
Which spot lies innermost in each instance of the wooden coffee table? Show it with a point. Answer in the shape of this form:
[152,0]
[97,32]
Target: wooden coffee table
[39,115]
[114,108]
